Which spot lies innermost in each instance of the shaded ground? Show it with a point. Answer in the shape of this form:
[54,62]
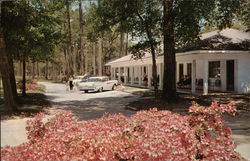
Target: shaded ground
[241,101]
[28,106]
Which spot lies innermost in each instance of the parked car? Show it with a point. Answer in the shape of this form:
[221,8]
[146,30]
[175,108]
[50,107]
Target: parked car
[77,79]
[80,80]
[95,84]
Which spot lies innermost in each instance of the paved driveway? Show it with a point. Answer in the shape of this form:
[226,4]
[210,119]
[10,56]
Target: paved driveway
[85,106]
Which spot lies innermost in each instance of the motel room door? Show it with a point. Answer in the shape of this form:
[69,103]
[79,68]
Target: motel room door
[230,75]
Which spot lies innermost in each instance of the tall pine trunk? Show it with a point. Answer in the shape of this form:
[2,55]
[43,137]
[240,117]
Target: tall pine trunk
[126,46]
[47,70]
[94,59]
[121,53]
[152,48]
[24,76]
[169,79]
[20,67]
[37,69]
[12,76]
[9,96]
[33,70]
[100,55]
[69,41]
[82,63]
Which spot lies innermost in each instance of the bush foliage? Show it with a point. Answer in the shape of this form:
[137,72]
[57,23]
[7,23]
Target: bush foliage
[31,85]
[146,136]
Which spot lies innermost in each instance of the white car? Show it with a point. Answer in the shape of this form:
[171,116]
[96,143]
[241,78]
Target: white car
[95,84]
[78,79]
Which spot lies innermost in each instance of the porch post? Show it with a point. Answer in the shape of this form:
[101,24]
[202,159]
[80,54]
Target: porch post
[132,75]
[205,78]
[125,75]
[177,72]
[193,76]
[140,76]
[119,76]
[185,68]
[112,75]
[149,75]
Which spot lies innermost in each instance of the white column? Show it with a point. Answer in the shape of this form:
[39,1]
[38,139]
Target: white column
[132,75]
[140,75]
[125,75]
[223,75]
[185,69]
[115,73]
[149,75]
[193,76]
[177,72]
[112,73]
[205,78]
[119,76]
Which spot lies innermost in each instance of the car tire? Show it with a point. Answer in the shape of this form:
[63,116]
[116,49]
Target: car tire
[101,89]
[114,87]
[86,91]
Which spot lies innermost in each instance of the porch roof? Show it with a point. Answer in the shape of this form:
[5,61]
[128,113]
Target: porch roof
[225,41]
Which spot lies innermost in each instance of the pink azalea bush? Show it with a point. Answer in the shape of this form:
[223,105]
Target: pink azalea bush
[146,136]
[31,85]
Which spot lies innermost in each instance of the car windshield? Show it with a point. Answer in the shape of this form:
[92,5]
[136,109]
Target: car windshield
[83,80]
[78,77]
[94,80]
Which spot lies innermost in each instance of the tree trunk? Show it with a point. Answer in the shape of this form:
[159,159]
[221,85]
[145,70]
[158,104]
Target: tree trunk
[152,48]
[69,44]
[169,79]
[9,98]
[154,70]
[86,64]
[81,38]
[121,53]
[33,70]
[126,47]
[100,46]
[37,69]
[94,59]
[20,68]
[12,76]
[47,70]
[24,77]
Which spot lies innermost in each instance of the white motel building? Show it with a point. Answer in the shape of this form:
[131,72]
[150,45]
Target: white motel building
[220,62]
